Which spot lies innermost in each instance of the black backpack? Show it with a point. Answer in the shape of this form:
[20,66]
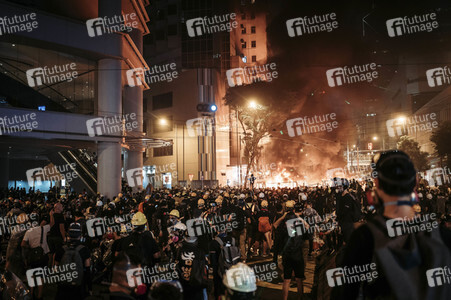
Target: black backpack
[133,248]
[404,260]
[293,248]
[229,255]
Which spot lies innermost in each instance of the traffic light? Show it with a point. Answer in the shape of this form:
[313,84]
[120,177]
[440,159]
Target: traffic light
[207,107]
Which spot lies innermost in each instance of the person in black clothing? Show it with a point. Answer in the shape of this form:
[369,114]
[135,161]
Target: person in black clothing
[292,254]
[57,232]
[140,246]
[395,180]
[189,260]
[348,209]
[279,233]
[66,291]
[215,252]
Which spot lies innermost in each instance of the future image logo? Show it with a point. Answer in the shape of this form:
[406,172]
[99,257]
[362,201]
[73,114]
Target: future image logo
[438,176]
[351,74]
[209,25]
[351,275]
[420,223]
[438,276]
[310,25]
[438,76]
[413,24]
[107,25]
[249,75]
[156,73]
[149,275]
[18,23]
[135,177]
[212,224]
[51,75]
[411,125]
[240,277]
[309,125]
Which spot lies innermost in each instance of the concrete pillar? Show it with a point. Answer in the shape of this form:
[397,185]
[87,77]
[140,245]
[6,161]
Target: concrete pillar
[109,104]
[133,104]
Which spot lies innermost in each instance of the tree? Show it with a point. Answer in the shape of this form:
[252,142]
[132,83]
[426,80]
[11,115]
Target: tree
[255,122]
[440,138]
[412,148]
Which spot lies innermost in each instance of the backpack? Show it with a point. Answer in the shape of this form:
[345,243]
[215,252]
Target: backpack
[293,248]
[229,256]
[134,249]
[263,224]
[404,260]
[251,211]
[72,255]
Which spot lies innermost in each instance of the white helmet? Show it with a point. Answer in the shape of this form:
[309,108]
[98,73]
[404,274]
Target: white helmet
[429,196]
[99,203]
[261,195]
[242,196]
[303,197]
[180,226]
[240,278]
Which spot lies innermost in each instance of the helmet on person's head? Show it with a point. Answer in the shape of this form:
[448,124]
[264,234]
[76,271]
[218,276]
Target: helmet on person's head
[264,203]
[190,239]
[120,195]
[193,194]
[218,200]
[246,283]
[166,290]
[289,204]
[175,213]
[200,203]
[74,230]
[242,196]
[22,218]
[139,219]
[285,196]
[99,203]
[395,172]
[261,195]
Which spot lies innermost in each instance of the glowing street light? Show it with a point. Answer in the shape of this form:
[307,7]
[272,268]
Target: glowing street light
[163,122]
[253,104]
[401,119]
[374,138]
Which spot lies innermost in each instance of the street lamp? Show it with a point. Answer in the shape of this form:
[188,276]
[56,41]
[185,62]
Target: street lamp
[401,119]
[374,138]
[253,104]
[163,122]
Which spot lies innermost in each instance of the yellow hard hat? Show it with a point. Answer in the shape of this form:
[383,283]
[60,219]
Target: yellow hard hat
[289,204]
[139,219]
[22,218]
[175,213]
[264,203]
[200,202]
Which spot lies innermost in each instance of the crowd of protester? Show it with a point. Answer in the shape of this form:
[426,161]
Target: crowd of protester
[151,228]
